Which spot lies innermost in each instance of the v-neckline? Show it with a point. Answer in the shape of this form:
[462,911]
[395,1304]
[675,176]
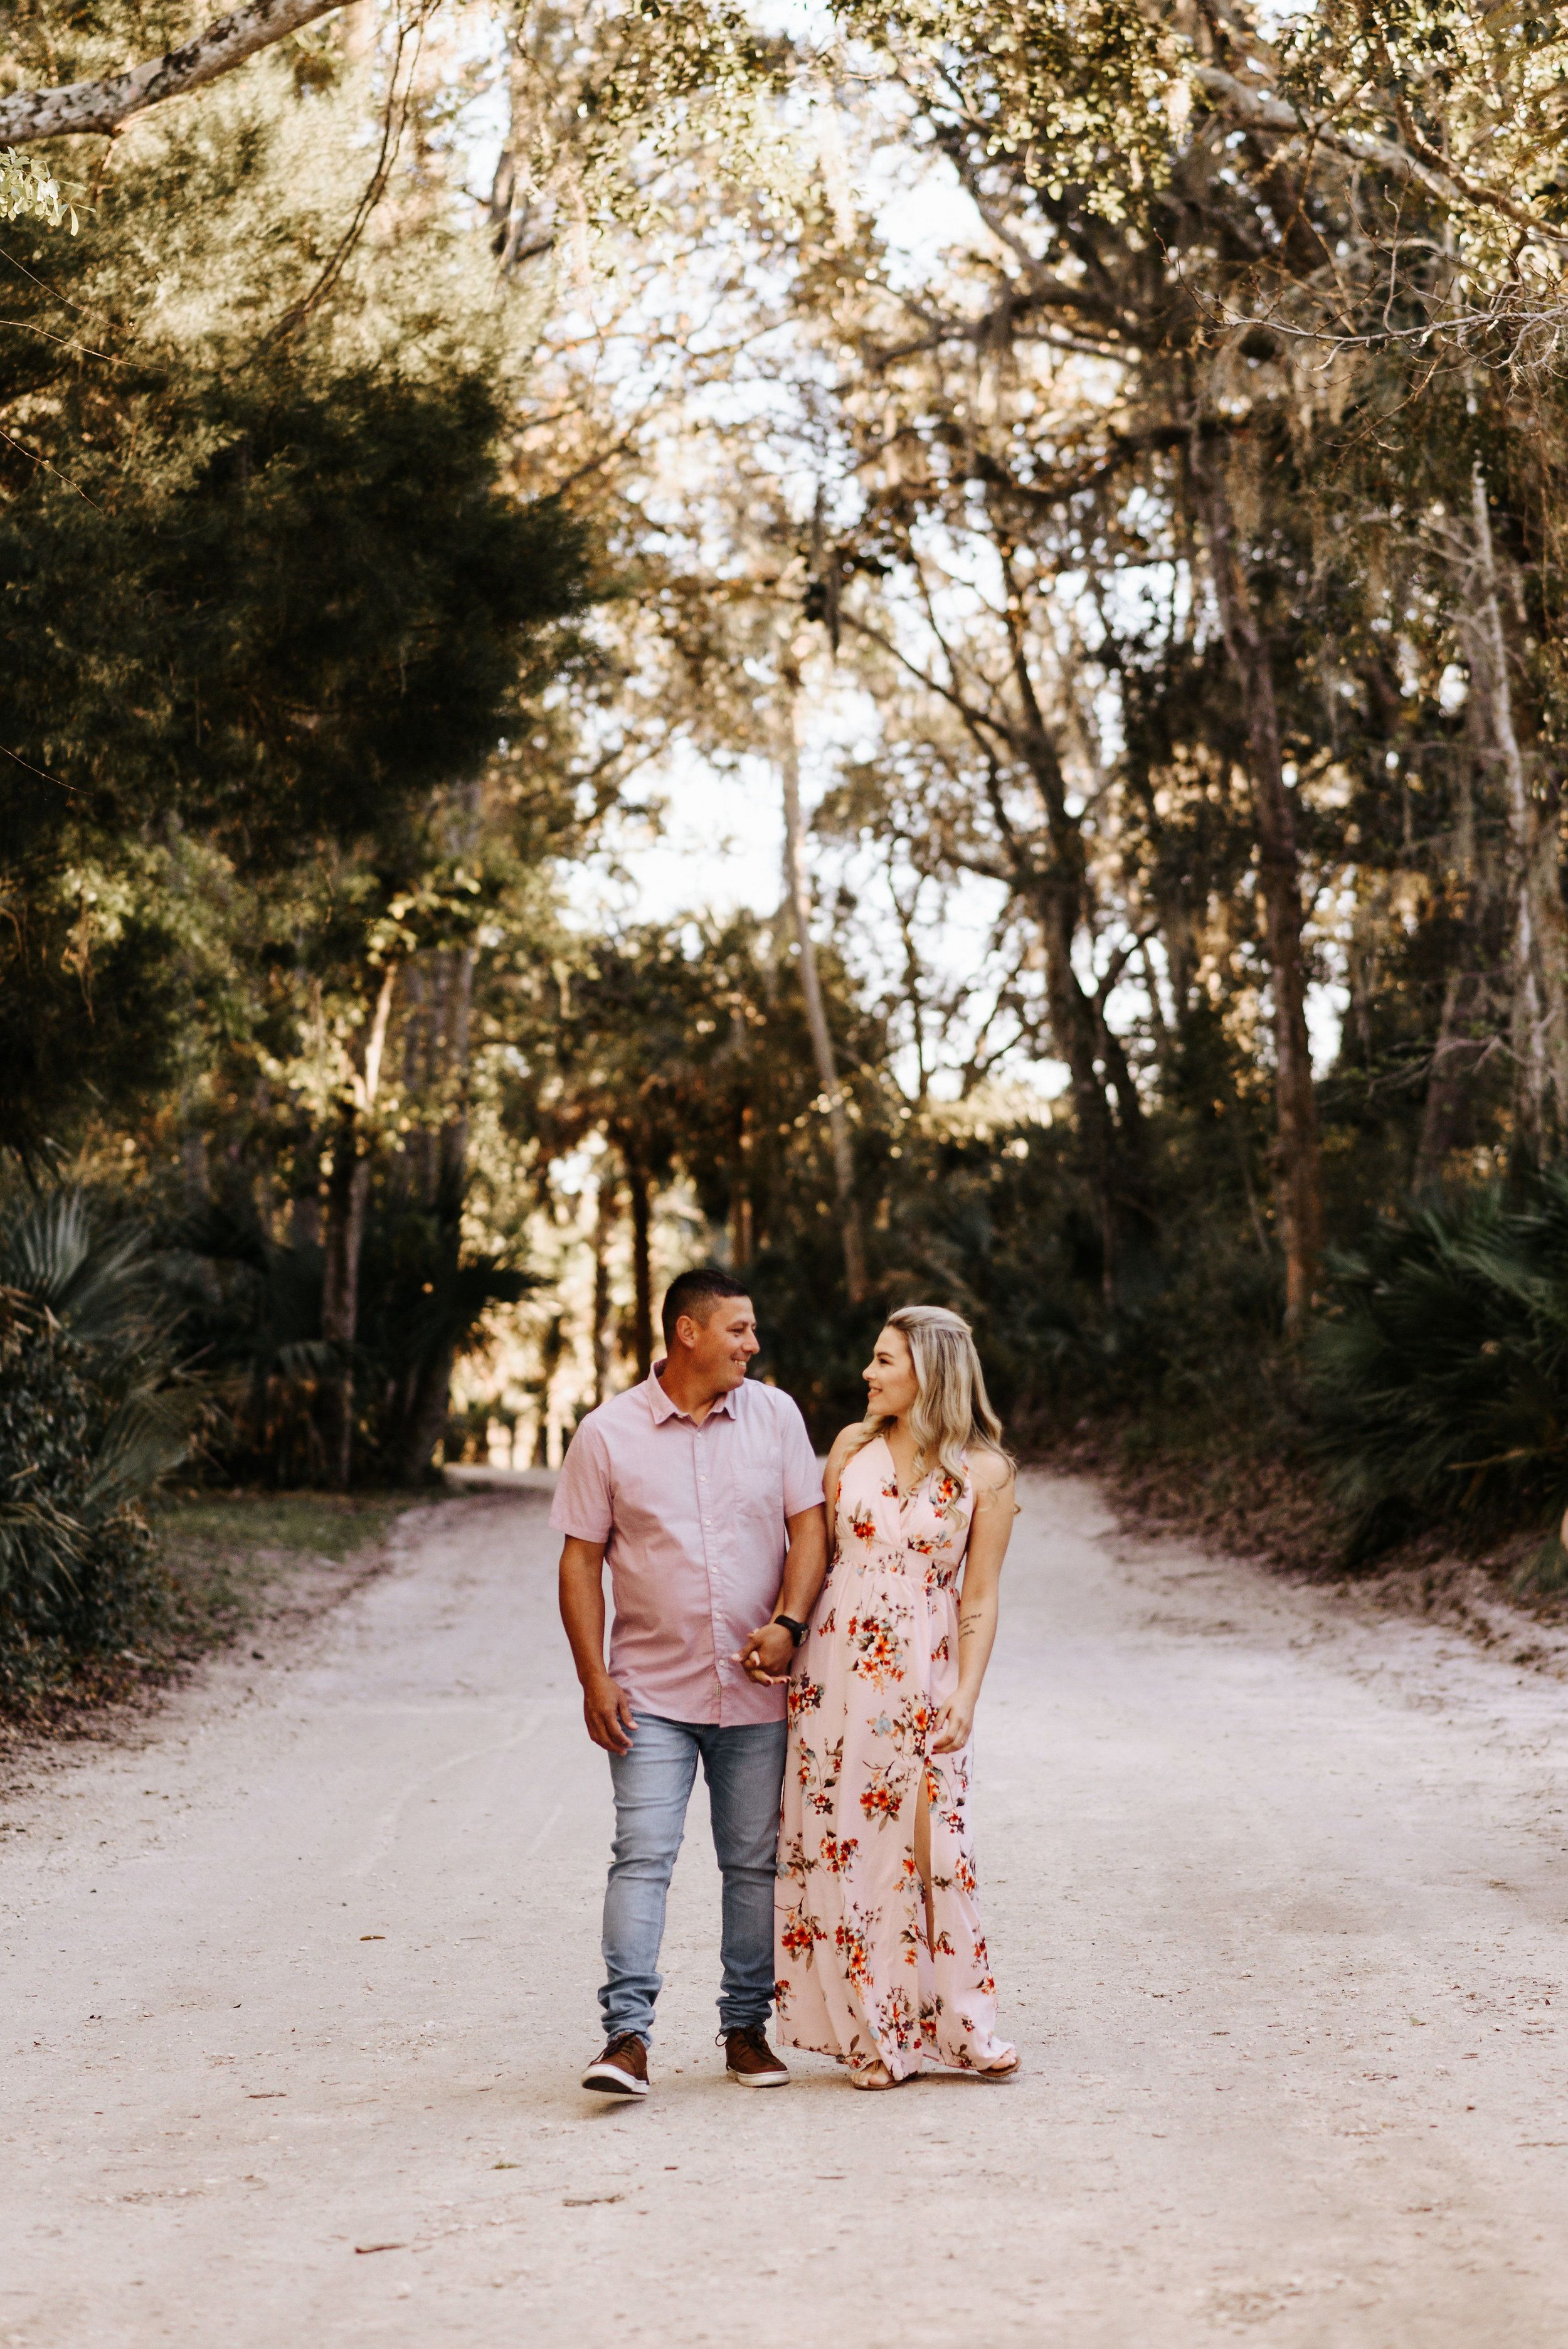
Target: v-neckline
[902,1499]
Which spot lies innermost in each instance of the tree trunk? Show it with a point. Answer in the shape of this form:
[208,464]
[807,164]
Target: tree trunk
[1538,943]
[742,1241]
[797,888]
[1073,1029]
[419,1147]
[458,1023]
[426,1416]
[447,999]
[642,1264]
[342,1236]
[1059,892]
[1298,1189]
[1448,1084]
[605,1216]
[348,1190]
[304,1193]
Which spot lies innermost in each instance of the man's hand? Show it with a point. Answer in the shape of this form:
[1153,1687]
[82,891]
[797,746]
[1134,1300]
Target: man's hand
[607,1710]
[767,1654]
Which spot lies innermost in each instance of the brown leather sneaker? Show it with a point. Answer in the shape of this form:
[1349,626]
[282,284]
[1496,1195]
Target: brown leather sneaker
[622,2070]
[749,2059]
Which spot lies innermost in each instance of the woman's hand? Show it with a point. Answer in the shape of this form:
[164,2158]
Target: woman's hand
[954,1724]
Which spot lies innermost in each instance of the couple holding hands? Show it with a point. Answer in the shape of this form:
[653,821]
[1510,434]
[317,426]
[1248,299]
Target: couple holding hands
[840,1671]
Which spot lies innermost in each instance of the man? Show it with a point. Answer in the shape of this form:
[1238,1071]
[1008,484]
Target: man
[701,1489]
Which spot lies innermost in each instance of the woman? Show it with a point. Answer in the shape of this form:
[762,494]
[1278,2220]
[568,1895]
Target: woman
[877,1950]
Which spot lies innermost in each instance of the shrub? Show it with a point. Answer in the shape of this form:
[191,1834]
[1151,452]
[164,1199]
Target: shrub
[90,1420]
[1439,1376]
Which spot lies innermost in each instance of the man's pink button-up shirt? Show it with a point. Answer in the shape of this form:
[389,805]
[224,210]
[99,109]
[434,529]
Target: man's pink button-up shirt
[693,1518]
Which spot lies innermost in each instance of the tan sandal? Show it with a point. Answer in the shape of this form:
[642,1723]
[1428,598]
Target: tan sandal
[873,2077]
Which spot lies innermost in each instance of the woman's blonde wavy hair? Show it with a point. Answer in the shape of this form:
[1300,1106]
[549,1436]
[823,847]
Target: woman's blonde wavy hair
[952,1411]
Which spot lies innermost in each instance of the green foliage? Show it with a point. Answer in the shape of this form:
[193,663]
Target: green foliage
[290,644]
[250,1313]
[1439,1376]
[91,1420]
[269,587]
[1001,1224]
[28,190]
[285,607]
[1073,96]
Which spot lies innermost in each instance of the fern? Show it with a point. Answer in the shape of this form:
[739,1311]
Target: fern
[1440,1375]
[92,1415]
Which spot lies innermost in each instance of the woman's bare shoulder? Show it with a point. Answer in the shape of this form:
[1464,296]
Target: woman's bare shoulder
[992,1471]
[841,1445]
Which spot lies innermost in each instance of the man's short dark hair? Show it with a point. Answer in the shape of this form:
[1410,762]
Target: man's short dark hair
[696,1293]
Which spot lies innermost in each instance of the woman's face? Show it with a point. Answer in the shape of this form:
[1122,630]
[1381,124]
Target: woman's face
[891,1383]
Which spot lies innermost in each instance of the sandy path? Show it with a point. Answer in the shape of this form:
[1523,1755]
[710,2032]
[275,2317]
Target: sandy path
[1277,1903]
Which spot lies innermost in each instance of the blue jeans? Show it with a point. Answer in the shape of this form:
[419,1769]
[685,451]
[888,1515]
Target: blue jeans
[744,1767]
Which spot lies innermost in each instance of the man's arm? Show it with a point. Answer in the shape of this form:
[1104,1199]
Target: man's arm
[766,1653]
[806,1565]
[606,1708]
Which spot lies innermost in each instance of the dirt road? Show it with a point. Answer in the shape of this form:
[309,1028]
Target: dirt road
[297,1984]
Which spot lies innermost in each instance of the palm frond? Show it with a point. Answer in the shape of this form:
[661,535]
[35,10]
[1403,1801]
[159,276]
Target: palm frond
[1440,1375]
[94,1413]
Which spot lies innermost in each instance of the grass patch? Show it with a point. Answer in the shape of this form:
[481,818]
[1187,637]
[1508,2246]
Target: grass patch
[231,1557]
[228,1566]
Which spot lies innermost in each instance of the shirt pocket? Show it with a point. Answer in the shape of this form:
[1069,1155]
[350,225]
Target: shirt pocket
[756,1503]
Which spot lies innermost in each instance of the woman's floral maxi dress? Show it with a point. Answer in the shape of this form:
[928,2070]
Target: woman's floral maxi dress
[856,1976]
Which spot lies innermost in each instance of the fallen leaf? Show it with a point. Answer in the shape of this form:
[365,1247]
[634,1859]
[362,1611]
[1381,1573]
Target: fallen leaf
[362,2249]
[506,2165]
[372,1937]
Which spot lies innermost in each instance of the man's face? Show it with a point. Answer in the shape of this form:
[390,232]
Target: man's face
[719,1348]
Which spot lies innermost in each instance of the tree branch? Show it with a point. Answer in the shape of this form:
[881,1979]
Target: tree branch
[1416,162]
[107,105]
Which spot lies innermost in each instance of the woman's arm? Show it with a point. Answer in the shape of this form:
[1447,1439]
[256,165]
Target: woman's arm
[990,1531]
[843,1443]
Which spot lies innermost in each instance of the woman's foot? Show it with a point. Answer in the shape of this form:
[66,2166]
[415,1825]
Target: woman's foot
[998,2071]
[874,2075]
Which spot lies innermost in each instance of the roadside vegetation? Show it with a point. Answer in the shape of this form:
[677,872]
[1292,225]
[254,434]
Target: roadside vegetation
[1138,610]
[215,1571]
[239,1562]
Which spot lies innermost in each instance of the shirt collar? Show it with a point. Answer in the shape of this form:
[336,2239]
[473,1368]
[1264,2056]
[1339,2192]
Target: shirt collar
[663,1408]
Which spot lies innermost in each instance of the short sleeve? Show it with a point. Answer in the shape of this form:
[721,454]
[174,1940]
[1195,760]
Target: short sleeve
[803,1476]
[582,1505]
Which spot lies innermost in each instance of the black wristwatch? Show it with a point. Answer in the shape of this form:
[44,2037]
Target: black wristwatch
[796,1630]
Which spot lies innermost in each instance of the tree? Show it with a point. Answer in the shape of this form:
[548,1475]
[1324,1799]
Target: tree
[109,102]
[1120,378]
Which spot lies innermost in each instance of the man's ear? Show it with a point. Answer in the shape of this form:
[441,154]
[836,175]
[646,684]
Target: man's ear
[687,1330]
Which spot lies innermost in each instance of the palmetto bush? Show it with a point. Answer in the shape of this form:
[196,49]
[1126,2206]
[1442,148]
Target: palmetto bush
[1440,1375]
[91,1416]
[250,1317]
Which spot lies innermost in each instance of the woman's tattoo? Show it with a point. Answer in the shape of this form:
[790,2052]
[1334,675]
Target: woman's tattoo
[967,1623]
